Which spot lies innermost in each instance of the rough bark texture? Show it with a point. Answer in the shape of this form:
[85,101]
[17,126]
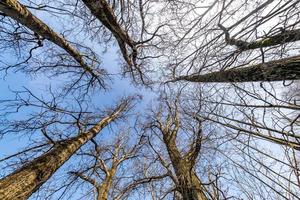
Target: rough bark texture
[279,70]
[104,13]
[22,15]
[284,37]
[26,180]
[189,185]
[103,189]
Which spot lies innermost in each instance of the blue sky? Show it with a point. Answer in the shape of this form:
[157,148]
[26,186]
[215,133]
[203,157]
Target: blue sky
[12,143]
[38,84]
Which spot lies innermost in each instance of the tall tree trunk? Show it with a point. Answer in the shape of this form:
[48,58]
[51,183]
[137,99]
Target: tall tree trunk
[26,180]
[103,189]
[281,38]
[105,14]
[189,185]
[279,70]
[22,15]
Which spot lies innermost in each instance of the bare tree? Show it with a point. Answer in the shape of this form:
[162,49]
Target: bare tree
[252,139]
[105,14]
[279,70]
[186,181]
[86,61]
[28,178]
[235,135]
[110,169]
[107,159]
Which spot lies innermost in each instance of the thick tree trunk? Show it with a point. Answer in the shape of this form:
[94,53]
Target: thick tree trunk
[105,14]
[22,15]
[284,37]
[104,188]
[279,70]
[26,180]
[189,185]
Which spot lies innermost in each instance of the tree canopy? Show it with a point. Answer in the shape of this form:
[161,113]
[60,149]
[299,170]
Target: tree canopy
[148,99]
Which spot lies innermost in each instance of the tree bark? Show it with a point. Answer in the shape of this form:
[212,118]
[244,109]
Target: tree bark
[284,37]
[22,15]
[26,180]
[104,188]
[104,13]
[279,70]
[189,185]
